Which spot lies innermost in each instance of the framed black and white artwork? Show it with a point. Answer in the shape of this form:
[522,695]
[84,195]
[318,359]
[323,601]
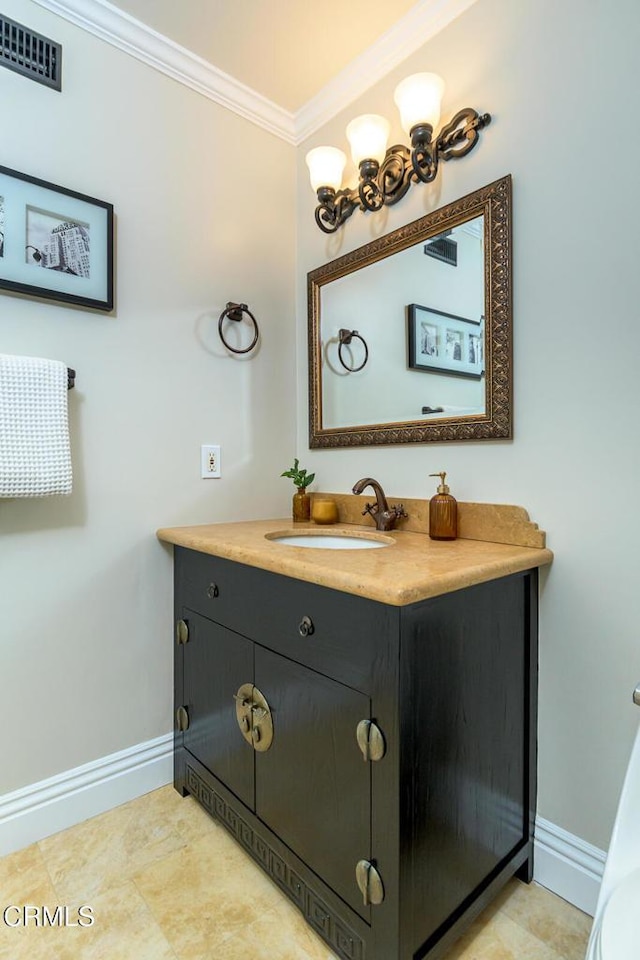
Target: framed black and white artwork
[54,242]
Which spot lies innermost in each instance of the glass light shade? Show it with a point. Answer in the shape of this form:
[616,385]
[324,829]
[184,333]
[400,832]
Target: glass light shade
[325,167]
[418,99]
[368,137]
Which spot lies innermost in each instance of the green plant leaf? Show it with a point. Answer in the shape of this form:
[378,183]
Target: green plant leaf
[299,477]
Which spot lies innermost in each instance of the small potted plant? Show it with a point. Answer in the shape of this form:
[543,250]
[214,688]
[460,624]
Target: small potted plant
[301,499]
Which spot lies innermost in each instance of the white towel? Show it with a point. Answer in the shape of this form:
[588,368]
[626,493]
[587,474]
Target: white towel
[35,452]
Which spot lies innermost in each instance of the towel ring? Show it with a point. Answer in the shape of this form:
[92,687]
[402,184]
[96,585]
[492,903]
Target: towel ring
[345,337]
[234,311]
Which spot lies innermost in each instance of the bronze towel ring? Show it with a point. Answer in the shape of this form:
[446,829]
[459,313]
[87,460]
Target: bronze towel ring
[345,337]
[234,311]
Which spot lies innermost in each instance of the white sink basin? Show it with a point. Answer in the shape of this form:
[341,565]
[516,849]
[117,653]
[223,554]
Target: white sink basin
[320,540]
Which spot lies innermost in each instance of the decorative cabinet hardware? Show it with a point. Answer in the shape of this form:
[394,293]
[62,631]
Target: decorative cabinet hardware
[370,740]
[261,722]
[369,882]
[306,627]
[212,591]
[182,632]
[243,709]
[254,717]
[636,696]
[182,719]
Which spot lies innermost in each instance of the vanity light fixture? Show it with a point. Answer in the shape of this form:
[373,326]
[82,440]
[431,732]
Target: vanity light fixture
[387,174]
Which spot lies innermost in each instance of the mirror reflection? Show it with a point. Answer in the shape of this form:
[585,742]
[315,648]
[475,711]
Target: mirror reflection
[410,335]
[420,316]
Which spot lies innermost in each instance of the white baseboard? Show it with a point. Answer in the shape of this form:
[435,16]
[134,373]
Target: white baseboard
[37,811]
[567,865]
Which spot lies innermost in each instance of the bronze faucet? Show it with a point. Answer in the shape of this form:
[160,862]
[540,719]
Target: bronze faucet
[384,516]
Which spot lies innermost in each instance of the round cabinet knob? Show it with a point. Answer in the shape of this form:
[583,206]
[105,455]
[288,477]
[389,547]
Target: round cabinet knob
[182,632]
[306,627]
[212,591]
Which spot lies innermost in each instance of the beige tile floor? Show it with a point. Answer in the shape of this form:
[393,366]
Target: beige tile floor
[165,882]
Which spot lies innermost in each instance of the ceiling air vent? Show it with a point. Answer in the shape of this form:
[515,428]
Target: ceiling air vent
[442,248]
[30,54]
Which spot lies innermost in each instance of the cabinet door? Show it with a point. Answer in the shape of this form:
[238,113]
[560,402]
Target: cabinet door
[312,785]
[216,663]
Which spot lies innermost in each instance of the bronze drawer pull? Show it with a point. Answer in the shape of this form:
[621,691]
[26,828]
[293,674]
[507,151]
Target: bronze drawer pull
[306,627]
[212,591]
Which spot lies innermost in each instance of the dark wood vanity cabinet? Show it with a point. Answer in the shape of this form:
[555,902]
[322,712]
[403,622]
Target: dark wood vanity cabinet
[440,821]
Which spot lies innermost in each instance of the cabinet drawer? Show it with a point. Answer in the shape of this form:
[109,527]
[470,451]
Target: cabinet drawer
[340,635]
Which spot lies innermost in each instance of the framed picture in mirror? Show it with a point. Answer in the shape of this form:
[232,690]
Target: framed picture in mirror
[444,342]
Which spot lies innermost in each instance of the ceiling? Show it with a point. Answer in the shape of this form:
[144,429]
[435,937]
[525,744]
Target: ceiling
[285,50]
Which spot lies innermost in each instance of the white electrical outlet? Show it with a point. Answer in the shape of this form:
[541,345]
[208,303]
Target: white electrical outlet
[209,461]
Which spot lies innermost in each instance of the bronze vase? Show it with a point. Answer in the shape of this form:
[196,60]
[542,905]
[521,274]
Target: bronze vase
[301,506]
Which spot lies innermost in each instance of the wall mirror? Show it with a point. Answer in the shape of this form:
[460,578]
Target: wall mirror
[410,336]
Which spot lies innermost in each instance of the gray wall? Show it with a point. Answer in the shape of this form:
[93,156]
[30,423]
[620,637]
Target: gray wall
[85,595]
[558,79]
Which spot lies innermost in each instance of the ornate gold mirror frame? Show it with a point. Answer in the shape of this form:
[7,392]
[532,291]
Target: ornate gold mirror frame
[493,203]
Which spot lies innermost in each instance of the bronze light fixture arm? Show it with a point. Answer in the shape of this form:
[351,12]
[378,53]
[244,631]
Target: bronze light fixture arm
[456,139]
[386,183]
[369,190]
[334,208]
[385,175]
[460,135]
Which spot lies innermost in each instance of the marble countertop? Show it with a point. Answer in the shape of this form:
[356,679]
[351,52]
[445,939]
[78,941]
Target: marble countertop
[413,567]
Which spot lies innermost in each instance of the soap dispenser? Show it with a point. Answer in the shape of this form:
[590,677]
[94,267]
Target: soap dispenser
[443,512]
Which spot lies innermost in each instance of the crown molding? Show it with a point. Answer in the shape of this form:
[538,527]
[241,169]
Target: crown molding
[124,32]
[420,24]
[116,27]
